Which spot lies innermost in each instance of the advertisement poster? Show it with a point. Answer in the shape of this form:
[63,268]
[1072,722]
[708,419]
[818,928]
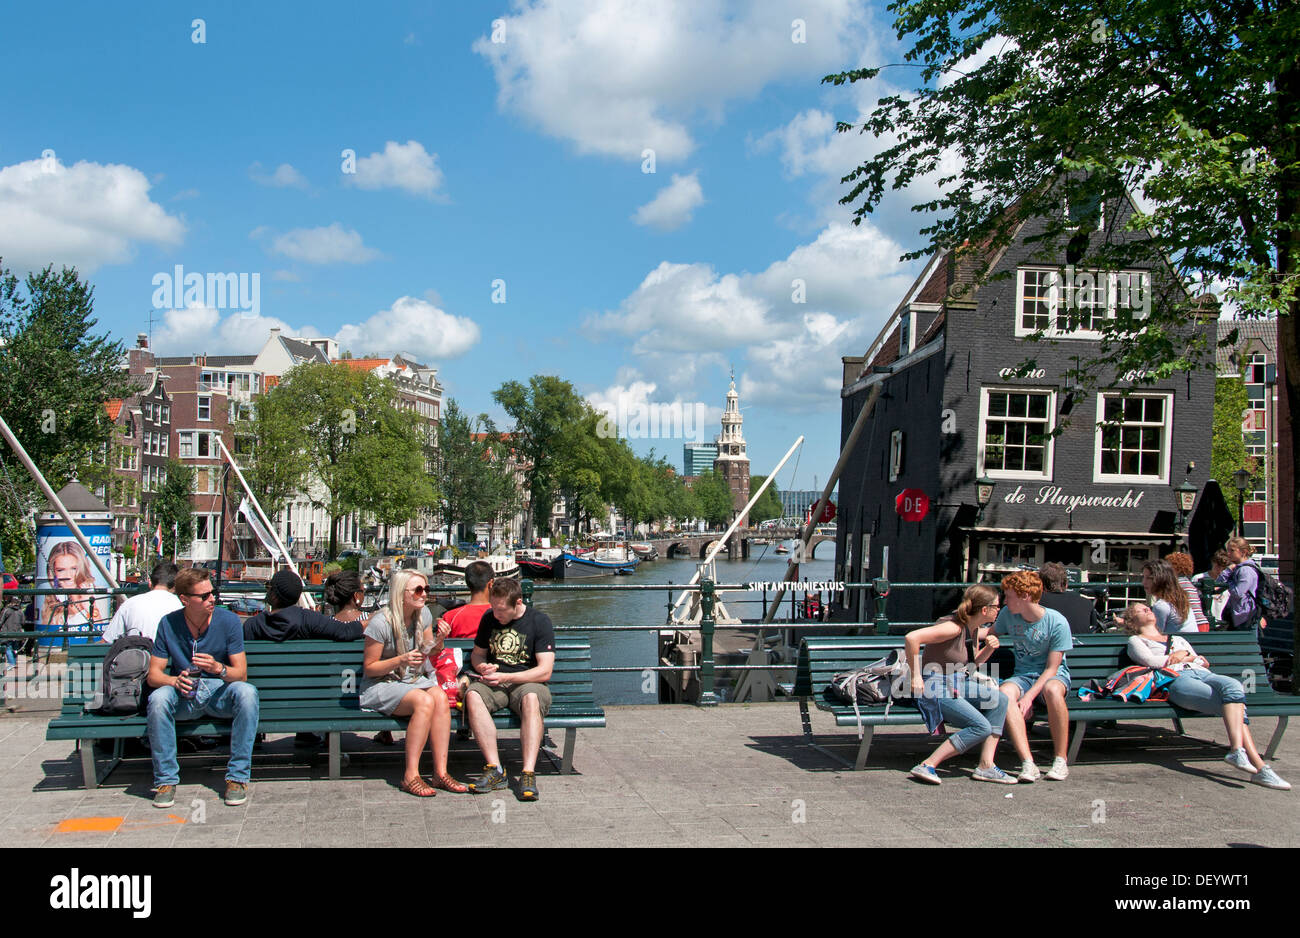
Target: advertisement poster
[62,564]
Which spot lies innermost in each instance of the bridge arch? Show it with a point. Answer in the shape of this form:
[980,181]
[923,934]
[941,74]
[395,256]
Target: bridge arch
[818,542]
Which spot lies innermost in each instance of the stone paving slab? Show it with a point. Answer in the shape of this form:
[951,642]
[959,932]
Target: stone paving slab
[736,775]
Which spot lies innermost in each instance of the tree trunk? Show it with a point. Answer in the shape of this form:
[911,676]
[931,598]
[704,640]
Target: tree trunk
[334,535]
[1288,267]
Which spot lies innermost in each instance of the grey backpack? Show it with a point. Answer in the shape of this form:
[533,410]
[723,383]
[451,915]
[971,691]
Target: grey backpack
[876,683]
[122,688]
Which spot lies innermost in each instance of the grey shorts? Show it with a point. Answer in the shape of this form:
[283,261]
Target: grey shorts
[385,696]
[495,698]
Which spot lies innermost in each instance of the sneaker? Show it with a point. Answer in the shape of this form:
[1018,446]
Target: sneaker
[1059,771]
[492,779]
[528,786]
[1238,760]
[236,792]
[1029,773]
[927,774]
[165,796]
[992,774]
[1270,779]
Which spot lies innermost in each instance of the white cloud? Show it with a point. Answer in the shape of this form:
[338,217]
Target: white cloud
[86,215]
[826,299]
[672,206]
[401,166]
[415,325]
[284,177]
[615,77]
[286,275]
[332,244]
[411,325]
[631,406]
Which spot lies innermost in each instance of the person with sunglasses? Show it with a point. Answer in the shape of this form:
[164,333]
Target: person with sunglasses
[396,682]
[952,646]
[202,649]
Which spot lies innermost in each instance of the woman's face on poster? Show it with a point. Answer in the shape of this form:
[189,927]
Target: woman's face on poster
[64,570]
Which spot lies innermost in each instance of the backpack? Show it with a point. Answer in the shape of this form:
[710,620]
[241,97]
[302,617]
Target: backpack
[875,683]
[1277,599]
[122,688]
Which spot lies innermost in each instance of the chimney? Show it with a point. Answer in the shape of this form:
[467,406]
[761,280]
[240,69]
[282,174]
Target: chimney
[142,340]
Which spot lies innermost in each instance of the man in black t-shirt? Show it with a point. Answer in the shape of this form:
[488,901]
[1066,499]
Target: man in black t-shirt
[513,655]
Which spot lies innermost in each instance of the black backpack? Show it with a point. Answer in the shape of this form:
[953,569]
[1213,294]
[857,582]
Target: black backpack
[122,689]
[1277,599]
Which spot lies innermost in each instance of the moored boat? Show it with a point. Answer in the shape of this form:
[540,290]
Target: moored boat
[645,551]
[600,563]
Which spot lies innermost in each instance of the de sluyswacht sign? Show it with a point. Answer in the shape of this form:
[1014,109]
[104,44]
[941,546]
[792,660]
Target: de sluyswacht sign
[1056,495]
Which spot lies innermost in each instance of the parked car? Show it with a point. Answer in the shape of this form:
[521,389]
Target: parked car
[8,581]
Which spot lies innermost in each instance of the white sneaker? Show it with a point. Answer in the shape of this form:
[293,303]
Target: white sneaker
[1059,771]
[1270,779]
[1238,760]
[1029,773]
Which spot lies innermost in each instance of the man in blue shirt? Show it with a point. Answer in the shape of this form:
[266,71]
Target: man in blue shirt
[202,649]
[1041,638]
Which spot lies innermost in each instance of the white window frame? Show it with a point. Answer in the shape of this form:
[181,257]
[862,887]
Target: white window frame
[1049,454]
[200,407]
[1054,296]
[983,566]
[185,443]
[895,455]
[1166,442]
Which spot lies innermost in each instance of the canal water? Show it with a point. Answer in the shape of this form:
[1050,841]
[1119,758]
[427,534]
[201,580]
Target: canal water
[648,611]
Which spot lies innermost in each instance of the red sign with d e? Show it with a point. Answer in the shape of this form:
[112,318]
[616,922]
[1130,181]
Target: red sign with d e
[912,504]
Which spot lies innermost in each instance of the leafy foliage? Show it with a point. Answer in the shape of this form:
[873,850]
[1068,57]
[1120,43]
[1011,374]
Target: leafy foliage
[171,505]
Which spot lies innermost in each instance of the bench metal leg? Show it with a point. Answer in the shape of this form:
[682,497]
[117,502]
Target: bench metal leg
[89,773]
[804,717]
[1276,739]
[570,740]
[336,749]
[1178,726]
[1080,728]
[864,748]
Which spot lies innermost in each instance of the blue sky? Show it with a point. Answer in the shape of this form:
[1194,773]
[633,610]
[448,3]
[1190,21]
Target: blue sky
[519,160]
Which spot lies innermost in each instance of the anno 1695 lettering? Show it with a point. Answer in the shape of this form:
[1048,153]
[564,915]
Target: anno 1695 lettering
[1056,495]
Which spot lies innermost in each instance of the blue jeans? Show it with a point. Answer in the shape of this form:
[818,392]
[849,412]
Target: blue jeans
[977,711]
[1205,692]
[215,698]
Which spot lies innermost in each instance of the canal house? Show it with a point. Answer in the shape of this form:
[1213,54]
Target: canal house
[1018,462]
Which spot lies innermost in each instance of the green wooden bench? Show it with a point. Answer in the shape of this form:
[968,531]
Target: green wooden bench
[313,686]
[1094,656]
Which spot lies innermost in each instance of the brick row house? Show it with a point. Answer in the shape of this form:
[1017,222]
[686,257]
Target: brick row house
[185,404]
[960,420]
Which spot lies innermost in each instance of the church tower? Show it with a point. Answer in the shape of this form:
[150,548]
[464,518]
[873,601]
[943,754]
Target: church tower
[732,464]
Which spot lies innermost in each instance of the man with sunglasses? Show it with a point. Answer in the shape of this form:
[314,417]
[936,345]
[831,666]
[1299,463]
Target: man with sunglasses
[202,649]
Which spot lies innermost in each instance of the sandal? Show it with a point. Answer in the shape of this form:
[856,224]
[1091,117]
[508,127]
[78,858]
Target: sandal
[417,786]
[447,783]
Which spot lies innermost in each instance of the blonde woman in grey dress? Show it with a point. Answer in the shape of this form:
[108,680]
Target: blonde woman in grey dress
[395,683]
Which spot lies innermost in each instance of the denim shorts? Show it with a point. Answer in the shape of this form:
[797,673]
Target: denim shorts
[1026,681]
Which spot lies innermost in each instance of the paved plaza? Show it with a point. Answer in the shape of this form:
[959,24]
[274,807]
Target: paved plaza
[735,775]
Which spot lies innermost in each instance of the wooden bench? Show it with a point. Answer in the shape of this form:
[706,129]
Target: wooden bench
[313,686]
[1094,656]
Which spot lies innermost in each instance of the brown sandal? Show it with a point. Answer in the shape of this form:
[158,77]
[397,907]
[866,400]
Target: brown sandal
[417,786]
[447,783]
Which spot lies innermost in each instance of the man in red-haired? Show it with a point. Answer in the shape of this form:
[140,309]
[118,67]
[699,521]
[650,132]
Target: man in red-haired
[1041,638]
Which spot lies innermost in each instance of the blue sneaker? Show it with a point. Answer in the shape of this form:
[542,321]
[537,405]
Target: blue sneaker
[1238,760]
[993,774]
[1270,779]
[927,774]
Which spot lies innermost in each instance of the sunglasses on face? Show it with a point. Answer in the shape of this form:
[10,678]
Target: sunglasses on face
[417,590]
[202,597]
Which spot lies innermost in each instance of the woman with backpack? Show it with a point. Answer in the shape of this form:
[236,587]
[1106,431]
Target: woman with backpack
[952,646]
[1242,579]
[1200,689]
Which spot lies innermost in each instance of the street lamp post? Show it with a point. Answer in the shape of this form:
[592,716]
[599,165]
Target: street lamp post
[1241,478]
[1186,496]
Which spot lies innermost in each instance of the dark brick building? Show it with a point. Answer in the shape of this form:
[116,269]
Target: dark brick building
[955,407]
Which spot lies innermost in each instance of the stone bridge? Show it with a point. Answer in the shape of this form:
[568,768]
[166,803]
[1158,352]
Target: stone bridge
[695,545]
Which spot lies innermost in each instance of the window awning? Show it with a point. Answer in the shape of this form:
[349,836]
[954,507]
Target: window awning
[1083,537]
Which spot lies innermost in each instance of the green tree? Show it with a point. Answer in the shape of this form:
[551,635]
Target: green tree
[713,499]
[502,482]
[550,421]
[343,441]
[769,505]
[459,465]
[56,373]
[1228,447]
[1017,108]
[171,507]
